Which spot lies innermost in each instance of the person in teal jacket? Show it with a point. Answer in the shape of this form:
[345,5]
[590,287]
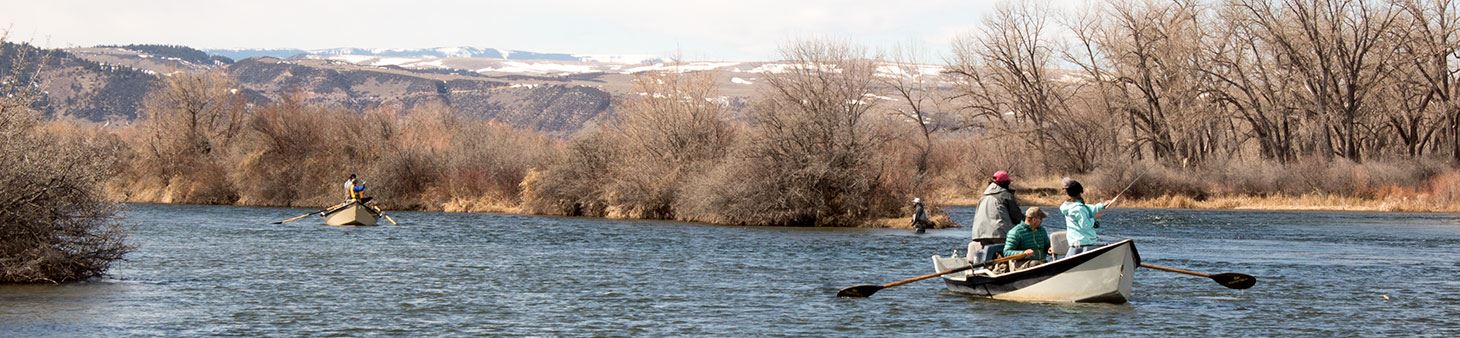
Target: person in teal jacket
[1028,237]
[1081,219]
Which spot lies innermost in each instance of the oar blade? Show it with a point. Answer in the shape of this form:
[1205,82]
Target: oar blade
[859,291]
[1235,280]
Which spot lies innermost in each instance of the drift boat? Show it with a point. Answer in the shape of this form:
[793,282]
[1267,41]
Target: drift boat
[352,212]
[1101,275]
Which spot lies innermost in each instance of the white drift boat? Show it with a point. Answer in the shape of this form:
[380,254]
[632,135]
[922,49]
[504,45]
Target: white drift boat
[352,212]
[1101,275]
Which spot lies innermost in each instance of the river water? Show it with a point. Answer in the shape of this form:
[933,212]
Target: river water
[212,270]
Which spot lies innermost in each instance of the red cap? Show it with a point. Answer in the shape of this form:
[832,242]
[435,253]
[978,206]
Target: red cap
[1001,176]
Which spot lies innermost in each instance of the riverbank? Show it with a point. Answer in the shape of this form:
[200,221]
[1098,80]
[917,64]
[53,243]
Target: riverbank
[1349,187]
[943,220]
[1315,202]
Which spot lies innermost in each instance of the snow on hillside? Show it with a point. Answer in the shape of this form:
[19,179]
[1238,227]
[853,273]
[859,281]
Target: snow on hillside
[538,68]
[681,67]
[504,61]
[620,59]
[918,70]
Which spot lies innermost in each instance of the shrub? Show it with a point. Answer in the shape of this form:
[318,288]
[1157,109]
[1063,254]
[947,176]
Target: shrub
[810,156]
[672,133]
[55,225]
[572,184]
[294,154]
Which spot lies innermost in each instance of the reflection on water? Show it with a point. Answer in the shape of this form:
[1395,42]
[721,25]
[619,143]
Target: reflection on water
[205,270]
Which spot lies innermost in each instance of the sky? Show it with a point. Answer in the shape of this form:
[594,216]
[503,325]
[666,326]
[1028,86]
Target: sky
[695,30]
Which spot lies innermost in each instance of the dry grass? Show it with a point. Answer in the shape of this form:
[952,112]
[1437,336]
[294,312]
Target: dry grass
[940,221]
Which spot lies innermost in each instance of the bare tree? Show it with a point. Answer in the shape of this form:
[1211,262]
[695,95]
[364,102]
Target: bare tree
[1006,74]
[192,115]
[810,156]
[189,121]
[1154,56]
[1011,82]
[675,128]
[1339,51]
[921,99]
[1100,114]
[1429,77]
[1250,82]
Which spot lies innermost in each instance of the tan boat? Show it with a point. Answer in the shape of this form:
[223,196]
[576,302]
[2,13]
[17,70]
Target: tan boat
[353,212]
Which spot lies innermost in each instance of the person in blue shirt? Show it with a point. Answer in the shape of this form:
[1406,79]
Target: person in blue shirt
[1081,219]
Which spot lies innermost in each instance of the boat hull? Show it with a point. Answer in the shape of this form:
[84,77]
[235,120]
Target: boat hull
[354,214]
[1102,275]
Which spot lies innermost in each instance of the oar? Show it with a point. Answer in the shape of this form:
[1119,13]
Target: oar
[866,290]
[296,218]
[1229,279]
[382,214]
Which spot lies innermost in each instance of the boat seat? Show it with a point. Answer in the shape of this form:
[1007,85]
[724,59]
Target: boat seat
[990,252]
[1058,244]
[941,263]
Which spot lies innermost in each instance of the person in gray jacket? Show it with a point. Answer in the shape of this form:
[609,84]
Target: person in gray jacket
[997,212]
[920,220]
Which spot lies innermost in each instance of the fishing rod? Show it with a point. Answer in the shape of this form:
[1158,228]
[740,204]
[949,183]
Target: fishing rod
[1132,184]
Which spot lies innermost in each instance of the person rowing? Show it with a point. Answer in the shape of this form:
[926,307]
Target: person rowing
[354,187]
[1029,237]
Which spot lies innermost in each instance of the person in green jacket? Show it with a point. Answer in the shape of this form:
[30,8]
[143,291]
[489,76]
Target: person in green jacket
[1028,237]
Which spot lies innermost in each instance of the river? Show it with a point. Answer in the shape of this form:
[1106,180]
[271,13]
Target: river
[218,270]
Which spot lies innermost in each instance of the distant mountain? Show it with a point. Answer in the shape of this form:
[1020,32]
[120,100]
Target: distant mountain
[240,54]
[428,53]
[554,92]
[74,86]
[548,106]
[110,83]
[183,53]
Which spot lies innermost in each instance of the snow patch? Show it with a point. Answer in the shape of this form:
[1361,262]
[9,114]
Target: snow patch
[681,67]
[436,63]
[619,59]
[778,68]
[737,80]
[394,61]
[538,68]
[355,59]
[1071,78]
[892,70]
[880,97]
